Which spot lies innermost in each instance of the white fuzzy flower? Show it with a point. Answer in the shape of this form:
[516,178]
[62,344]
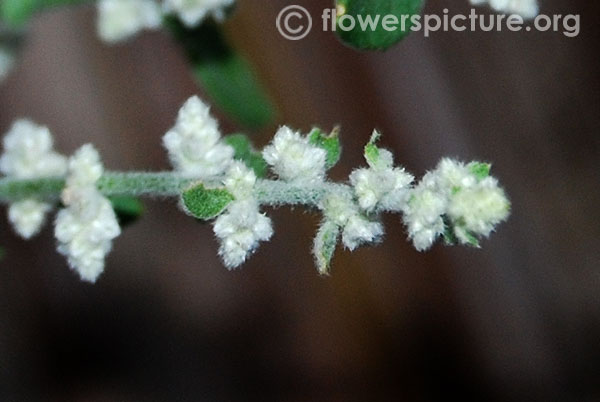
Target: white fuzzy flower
[86,227]
[29,154]
[193,12]
[450,175]
[239,231]
[120,19]
[7,60]
[242,226]
[469,199]
[359,230]
[240,180]
[381,186]
[194,144]
[423,213]
[524,8]
[339,209]
[294,159]
[478,209]
[28,217]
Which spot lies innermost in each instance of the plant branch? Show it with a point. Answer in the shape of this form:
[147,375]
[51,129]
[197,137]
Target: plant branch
[165,184]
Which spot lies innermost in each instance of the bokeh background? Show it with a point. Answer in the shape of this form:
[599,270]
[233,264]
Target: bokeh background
[516,320]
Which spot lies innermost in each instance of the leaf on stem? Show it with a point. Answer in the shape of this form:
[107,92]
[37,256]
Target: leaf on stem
[329,142]
[324,246]
[204,203]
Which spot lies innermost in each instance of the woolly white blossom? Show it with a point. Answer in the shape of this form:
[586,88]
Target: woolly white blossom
[193,12]
[357,229]
[423,213]
[524,8]
[242,226]
[86,227]
[28,216]
[470,200]
[294,159]
[194,144]
[29,154]
[7,60]
[240,180]
[381,186]
[478,209]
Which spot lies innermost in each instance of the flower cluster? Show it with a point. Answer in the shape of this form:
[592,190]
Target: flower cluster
[524,8]
[242,226]
[381,187]
[196,150]
[86,227]
[461,202]
[194,144]
[294,159]
[120,19]
[223,179]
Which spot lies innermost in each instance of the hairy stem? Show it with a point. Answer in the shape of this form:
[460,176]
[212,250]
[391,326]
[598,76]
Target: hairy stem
[165,184]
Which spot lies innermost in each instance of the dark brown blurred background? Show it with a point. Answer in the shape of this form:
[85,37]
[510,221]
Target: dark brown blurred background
[517,320]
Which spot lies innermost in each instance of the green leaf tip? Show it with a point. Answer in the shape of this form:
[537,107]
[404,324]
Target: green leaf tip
[205,203]
[245,152]
[328,142]
[324,246]
[373,28]
[455,233]
[371,149]
[480,170]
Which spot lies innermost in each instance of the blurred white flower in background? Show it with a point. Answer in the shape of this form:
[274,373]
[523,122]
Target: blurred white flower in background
[120,19]
[524,8]
[193,12]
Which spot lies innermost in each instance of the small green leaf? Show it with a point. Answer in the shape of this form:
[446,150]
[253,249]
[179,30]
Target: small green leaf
[464,236]
[324,246]
[245,152]
[128,209]
[480,170]
[226,76]
[369,31]
[329,142]
[371,150]
[204,203]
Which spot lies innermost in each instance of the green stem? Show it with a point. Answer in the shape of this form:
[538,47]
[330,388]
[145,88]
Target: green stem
[164,184]
[161,184]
